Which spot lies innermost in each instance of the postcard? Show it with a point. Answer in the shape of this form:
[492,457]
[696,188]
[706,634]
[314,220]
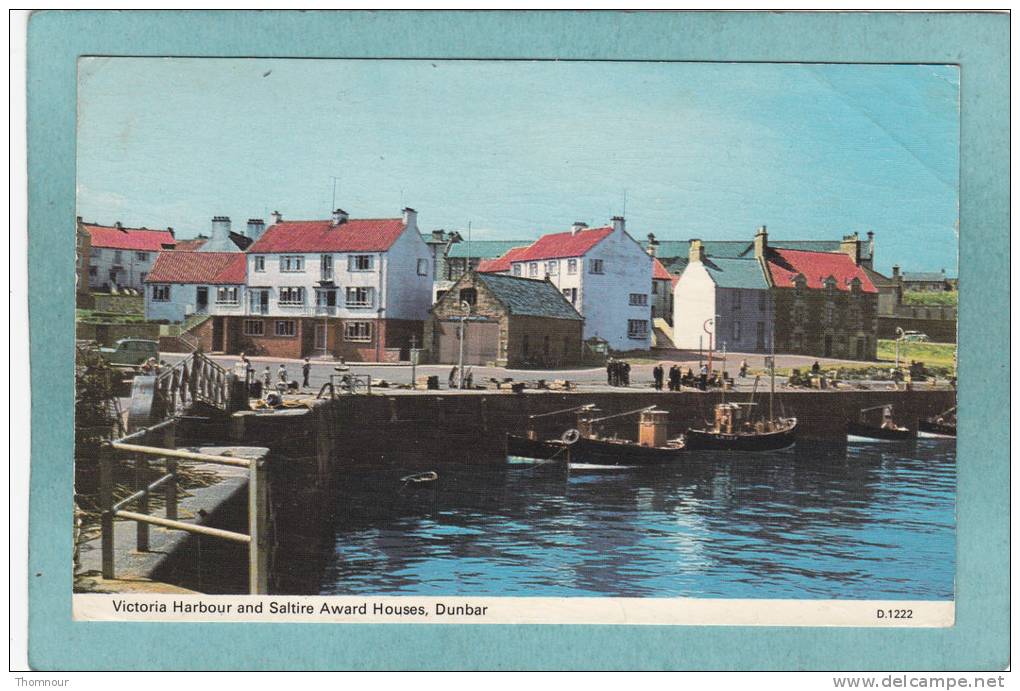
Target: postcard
[633,344]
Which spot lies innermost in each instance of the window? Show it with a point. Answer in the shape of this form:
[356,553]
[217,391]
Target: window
[359,262]
[326,267]
[638,299]
[736,331]
[517,270]
[141,277]
[762,300]
[292,263]
[761,336]
[95,252]
[93,270]
[552,268]
[655,287]
[637,328]
[595,266]
[570,294]
[736,299]
[254,327]
[525,345]
[292,296]
[142,256]
[358,332]
[423,267]
[285,327]
[226,295]
[161,293]
[533,269]
[359,297]
[325,297]
[469,295]
[571,266]
[260,263]
[117,257]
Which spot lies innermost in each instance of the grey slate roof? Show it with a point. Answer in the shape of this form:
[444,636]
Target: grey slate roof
[735,249]
[923,276]
[485,249]
[529,297]
[736,273]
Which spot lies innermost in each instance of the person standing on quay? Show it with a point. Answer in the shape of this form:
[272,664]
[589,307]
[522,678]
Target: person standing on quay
[657,375]
[674,377]
[306,370]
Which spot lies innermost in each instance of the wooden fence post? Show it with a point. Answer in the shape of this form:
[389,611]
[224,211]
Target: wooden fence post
[258,528]
[106,456]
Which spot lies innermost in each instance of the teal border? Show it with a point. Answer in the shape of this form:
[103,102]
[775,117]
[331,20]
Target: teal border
[979,43]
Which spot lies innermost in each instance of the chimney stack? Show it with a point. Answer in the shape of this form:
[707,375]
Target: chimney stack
[277,217]
[410,217]
[653,245]
[256,226]
[619,224]
[220,227]
[118,225]
[761,243]
[339,217]
[577,227]
[696,251]
[851,246]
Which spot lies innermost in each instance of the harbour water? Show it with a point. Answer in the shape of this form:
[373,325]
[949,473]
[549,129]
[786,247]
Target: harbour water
[817,521]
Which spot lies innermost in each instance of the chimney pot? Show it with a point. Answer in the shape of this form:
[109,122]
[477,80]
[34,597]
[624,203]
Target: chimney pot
[410,217]
[339,217]
[761,242]
[577,226]
[696,251]
[619,223]
[277,217]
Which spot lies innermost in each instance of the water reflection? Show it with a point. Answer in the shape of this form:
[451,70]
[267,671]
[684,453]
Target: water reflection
[817,521]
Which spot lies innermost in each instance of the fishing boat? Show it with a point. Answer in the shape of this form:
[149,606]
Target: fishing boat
[942,426]
[653,447]
[531,445]
[863,431]
[735,427]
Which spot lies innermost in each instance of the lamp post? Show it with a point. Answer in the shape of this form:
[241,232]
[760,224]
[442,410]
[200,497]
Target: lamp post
[899,337]
[711,345]
[466,306]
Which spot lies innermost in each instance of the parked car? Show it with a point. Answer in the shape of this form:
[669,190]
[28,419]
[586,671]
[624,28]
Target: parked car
[915,336]
[130,352]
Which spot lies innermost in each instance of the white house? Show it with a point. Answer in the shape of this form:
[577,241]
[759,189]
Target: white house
[357,288]
[721,302]
[603,272]
[122,257]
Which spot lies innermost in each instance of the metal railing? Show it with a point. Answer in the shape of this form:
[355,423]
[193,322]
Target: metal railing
[257,537]
[195,378]
[346,383]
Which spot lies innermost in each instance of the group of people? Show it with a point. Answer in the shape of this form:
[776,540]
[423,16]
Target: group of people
[283,380]
[618,372]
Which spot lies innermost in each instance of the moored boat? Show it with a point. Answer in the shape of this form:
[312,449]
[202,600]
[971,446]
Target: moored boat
[732,431]
[942,426]
[863,432]
[527,447]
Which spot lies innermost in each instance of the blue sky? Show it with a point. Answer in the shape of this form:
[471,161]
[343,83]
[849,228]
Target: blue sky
[709,150]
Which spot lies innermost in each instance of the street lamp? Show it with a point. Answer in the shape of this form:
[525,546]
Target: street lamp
[899,336]
[466,307]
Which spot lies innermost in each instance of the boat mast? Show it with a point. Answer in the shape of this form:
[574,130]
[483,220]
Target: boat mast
[772,365]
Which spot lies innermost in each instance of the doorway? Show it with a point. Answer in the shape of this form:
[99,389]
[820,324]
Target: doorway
[201,299]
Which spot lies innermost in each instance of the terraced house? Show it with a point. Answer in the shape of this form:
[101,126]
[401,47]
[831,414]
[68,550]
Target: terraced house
[121,257]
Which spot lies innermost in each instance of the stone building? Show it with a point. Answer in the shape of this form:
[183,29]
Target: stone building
[824,302]
[509,321]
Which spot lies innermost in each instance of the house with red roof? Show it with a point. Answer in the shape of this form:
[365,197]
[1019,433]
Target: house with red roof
[825,303]
[185,283]
[603,272]
[354,288]
[121,257]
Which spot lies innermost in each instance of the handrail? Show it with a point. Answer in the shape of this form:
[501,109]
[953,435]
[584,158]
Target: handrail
[257,538]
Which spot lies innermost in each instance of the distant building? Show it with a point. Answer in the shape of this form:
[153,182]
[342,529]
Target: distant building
[83,248]
[455,256]
[121,257]
[510,321]
[921,281]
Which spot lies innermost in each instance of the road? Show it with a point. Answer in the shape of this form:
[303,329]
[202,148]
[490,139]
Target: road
[588,378]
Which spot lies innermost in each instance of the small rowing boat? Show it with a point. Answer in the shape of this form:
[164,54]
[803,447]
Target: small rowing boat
[862,431]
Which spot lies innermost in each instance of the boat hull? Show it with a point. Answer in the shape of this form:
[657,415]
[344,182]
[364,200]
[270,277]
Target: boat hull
[705,440]
[868,434]
[533,448]
[934,430]
[622,453]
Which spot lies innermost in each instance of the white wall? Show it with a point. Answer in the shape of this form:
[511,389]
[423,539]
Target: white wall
[604,299]
[408,295]
[130,276]
[397,287]
[693,303]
